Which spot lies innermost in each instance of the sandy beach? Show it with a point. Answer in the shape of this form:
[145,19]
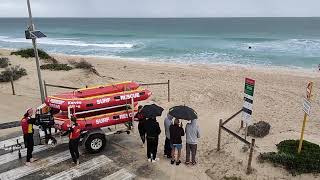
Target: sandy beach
[214,91]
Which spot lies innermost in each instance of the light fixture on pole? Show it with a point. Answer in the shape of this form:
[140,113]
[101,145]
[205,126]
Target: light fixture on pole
[31,33]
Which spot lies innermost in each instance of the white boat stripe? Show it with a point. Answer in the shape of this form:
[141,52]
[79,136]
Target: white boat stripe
[122,174]
[14,156]
[81,169]
[36,166]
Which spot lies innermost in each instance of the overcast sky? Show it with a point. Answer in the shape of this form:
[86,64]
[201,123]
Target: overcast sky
[160,8]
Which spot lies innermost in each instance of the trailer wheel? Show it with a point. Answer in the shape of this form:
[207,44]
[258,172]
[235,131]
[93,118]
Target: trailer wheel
[95,143]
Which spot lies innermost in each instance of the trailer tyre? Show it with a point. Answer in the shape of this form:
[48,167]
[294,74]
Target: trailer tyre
[95,143]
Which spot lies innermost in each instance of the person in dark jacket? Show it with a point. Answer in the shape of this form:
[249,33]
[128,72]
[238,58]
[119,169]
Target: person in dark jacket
[140,117]
[74,139]
[176,131]
[27,128]
[152,129]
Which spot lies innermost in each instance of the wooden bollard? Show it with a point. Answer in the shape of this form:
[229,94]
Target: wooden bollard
[168,90]
[12,86]
[249,168]
[219,135]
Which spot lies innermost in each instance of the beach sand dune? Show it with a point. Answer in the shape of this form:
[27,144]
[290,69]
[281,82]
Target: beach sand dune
[215,92]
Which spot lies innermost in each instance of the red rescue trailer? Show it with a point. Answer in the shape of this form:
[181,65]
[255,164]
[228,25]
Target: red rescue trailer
[96,108]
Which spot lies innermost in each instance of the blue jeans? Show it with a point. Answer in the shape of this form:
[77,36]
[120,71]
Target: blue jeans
[177,146]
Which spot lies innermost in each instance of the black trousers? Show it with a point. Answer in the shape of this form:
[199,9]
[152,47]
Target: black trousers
[152,147]
[142,132]
[167,148]
[74,150]
[28,143]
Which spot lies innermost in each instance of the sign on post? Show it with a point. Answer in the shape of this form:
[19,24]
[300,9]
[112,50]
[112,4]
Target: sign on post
[306,106]
[248,100]
[306,109]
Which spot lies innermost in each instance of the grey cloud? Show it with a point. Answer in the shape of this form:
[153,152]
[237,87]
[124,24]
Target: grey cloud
[160,8]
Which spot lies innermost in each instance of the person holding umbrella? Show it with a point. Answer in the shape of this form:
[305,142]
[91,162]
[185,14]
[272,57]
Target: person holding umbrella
[152,129]
[185,113]
[176,131]
[141,118]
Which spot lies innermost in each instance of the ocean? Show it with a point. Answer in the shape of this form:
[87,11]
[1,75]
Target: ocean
[274,42]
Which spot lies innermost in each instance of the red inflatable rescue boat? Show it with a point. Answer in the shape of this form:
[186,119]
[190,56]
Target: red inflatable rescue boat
[99,97]
[96,119]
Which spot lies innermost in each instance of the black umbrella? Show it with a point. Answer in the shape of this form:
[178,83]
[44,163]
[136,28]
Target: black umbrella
[183,112]
[151,111]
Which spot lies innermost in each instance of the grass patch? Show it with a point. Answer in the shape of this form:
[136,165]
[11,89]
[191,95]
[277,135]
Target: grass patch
[4,62]
[17,73]
[56,67]
[308,161]
[83,64]
[28,53]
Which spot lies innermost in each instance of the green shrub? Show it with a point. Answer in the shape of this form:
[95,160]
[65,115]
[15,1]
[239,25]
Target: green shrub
[231,178]
[308,161]
[56,67]
[83,64]
[17,72]
[4,62]
[27,53]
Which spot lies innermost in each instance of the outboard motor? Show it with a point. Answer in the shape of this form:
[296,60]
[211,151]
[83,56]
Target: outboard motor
[45,120]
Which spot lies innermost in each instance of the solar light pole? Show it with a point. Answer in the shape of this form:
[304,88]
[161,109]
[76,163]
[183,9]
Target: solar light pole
[31,28]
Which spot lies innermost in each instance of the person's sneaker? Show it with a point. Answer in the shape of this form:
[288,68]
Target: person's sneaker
[164,155]
[78,162]
[187,163]
[28,163]
[154,161]
[157,159]
[194,163]
[149,160]
[169,157]
[142,145]
[178,163]
[172,161]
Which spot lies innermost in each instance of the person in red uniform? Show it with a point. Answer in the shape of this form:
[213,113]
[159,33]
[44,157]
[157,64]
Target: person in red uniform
[74,139]
[140,117]
[27,128]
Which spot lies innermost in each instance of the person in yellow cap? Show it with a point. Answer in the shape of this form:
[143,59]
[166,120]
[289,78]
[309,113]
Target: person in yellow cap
[27,128]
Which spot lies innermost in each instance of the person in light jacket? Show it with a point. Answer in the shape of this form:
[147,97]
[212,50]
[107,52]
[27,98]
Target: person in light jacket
[192,135]
[167,145]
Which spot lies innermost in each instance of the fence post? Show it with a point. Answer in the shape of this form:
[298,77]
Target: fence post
[249,168]
[45,88]
[12,86]
[168,90]
[219,135]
